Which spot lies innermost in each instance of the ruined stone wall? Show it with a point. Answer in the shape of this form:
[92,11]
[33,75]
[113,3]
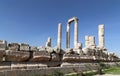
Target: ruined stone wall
[48,71]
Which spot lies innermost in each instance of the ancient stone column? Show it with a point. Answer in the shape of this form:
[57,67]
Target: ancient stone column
[87,41]
[79,45]
[68,36]
[101,36]
[79,49]
[91,40]
[59,35]
[76,33]
[48,43]
[75,20]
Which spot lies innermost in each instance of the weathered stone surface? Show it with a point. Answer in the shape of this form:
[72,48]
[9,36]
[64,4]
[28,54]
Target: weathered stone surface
[71,58]
[13,46]
[40,56]
[48,43]
[85,50]
[92,42]
[86,41]
[41,48]
[87,58]
[24,47]
[33,48]
[101,35]
[36,65]
[18,65]
[78,50]
[79,45]
[55,57]
[69,51]
[3,45]
[49,49]
[77,58]
[111,56]
[5,66]
[72,64]
[1,55]
[58,50]
[89,51]
[17,56]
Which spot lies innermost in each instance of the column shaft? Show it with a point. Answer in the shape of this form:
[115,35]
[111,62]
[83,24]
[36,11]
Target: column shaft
[68,36]
[86,41]
[59,35]
[76,34]
[101,35]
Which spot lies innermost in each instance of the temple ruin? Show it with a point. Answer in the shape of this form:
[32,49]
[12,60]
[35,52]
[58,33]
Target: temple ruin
[23,56]
[75,20]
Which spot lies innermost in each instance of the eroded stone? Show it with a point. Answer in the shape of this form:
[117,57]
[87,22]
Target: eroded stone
[13,46]
[24,47]
[3,45]
[40,56]
[18,56]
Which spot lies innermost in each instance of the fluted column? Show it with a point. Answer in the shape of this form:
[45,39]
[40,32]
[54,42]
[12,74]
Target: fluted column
[101,35]
[59,35]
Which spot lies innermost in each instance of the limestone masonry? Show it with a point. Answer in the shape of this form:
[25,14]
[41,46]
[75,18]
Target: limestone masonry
[22,55]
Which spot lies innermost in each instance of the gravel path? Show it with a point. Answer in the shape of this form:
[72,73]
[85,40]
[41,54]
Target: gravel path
[107,75]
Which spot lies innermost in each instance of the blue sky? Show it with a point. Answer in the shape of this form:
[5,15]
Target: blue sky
[33,21]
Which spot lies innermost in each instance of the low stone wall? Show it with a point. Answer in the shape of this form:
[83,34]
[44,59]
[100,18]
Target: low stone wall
[27,65]
[5,66]
[47,70]
[41,69]
[111,64]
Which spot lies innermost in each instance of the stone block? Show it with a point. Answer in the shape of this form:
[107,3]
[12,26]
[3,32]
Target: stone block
[35,65]
[5,66]
[16,56]
[3,45]
[55,57]
[32,65]
[42,48]
[33,48]
[18,65]
[1,55]
[24,47]
[40,56]
[71,58]
[47,49]
[13,46]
